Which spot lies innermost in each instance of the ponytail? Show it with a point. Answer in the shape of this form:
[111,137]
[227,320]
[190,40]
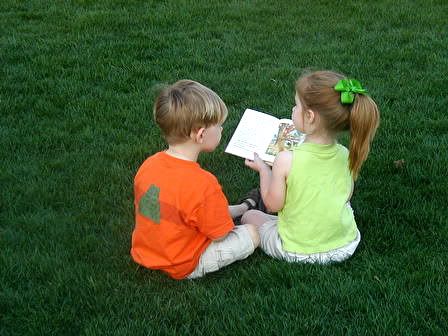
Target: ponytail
[343,105]
[364,121]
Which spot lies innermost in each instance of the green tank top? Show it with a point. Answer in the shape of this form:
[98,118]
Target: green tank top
[317,216]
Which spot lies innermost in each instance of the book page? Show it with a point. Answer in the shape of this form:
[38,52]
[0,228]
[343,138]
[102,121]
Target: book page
[286,138]
[252,135]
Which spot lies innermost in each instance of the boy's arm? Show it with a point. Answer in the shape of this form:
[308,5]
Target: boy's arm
[273,182]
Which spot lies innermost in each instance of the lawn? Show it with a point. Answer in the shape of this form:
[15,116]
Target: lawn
[78,80]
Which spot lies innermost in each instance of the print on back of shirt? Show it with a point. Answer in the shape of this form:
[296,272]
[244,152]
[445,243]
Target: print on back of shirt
[149,205]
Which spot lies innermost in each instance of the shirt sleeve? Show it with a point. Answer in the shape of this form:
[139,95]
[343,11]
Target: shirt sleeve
[212,216]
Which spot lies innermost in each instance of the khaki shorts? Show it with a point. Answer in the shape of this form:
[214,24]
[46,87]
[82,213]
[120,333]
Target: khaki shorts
[237,245]
[271,244]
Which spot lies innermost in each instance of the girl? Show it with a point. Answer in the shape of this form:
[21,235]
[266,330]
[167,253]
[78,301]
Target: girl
[311,186]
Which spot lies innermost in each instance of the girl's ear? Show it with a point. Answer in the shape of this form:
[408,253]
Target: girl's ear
[198,136]
[310,116]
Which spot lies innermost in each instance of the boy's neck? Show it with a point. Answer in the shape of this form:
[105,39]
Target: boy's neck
[184,151]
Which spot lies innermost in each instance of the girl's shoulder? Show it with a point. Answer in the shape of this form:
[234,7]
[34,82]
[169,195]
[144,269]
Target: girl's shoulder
[283,161]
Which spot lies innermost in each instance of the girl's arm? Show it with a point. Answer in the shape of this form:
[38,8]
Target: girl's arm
[273,182]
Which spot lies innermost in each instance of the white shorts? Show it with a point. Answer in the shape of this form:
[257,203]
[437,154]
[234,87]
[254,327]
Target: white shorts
[271,244]
[237,245]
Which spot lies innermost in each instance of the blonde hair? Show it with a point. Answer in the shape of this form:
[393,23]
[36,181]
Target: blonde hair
[316,92]
[187,106]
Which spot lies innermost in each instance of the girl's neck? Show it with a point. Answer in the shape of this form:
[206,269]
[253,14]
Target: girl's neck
[315,131]
[320,139]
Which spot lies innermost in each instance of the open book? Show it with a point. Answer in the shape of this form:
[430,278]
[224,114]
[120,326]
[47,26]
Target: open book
[263,134]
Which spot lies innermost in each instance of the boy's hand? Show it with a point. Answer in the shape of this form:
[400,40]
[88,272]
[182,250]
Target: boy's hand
[256,164]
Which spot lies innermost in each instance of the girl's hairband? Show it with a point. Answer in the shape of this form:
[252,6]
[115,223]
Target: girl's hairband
[348,88]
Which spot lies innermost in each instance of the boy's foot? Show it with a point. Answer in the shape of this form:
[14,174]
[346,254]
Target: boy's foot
[253,200]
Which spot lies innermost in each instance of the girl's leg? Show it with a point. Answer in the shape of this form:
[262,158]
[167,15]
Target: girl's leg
[256,217]
[266,224]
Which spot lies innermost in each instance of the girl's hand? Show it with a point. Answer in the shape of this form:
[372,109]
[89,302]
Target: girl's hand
[256,164]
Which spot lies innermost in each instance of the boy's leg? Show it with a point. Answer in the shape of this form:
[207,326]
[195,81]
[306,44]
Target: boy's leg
[237,245]
[239,209]
[252,200]
[254,196]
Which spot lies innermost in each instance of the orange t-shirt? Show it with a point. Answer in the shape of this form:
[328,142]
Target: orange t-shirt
[179,209]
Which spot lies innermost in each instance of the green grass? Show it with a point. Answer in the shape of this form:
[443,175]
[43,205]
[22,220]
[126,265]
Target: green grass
[78,79]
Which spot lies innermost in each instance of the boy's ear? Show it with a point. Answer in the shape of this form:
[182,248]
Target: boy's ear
[198,135]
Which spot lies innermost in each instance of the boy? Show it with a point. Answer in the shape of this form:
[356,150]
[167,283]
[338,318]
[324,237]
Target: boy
[183,221]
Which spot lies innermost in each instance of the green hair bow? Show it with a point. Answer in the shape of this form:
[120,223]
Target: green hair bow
[348,88]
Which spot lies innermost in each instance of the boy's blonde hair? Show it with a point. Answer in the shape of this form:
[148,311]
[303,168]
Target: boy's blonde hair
[316,92]
[187,106]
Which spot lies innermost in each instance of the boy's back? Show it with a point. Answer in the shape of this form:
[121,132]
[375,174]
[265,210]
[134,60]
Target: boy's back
[180,208]
[183,223]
